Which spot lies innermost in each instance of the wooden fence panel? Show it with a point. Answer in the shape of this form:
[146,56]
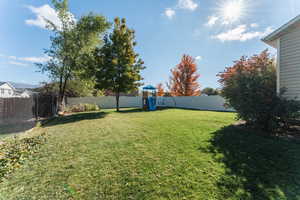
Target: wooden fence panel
[14,110]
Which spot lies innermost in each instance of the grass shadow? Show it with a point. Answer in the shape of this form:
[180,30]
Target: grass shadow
[136,110]
[73,118]
[131,110]
[257,167]
[14,128]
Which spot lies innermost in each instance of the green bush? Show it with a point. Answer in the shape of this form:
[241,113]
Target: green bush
[250,88]
[76,108]
[83,108]
[285,110]
[91,107]
[14,151]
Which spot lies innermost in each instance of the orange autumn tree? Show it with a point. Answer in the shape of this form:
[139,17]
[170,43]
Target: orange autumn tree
[160,90]
[183,79]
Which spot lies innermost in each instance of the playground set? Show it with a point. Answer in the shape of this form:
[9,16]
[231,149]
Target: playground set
[149,98]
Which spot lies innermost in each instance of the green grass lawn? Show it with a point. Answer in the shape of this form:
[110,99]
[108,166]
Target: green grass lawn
[168,154]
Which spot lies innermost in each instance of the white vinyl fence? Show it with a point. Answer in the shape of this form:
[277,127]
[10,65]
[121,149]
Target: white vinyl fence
[107,101]
[215,103]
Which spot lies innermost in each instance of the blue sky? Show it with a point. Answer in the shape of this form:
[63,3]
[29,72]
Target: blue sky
[216,32]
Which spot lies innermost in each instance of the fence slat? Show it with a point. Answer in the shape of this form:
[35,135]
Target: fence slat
[16,110]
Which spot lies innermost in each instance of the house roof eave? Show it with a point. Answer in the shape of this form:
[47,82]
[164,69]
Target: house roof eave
[269,39]
[10,85]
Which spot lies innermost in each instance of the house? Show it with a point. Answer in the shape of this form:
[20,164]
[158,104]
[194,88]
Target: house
[6,90]
[286,40]
[23,93]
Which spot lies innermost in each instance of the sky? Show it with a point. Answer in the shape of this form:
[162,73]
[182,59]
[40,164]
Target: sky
[214,32]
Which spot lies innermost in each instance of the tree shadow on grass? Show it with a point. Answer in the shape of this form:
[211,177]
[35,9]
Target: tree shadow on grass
[256,167]
[130,110]
[135,110]
[73,118]
[17,127]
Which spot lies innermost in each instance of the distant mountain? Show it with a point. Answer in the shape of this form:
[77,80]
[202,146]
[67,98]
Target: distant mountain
[23,85]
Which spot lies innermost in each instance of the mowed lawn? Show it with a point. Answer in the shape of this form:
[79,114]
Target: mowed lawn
[168,154]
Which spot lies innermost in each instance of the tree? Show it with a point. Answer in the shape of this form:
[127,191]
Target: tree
[71,46]
[74,88]
[183,81]
[118,66]
[249,86]
[160,90]
[210,91]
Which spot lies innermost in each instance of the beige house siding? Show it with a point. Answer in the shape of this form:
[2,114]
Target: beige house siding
[289,59]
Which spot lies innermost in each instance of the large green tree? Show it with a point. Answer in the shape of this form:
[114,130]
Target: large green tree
[72,44]
[118,66]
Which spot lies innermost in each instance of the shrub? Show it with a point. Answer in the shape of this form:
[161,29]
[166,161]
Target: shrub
[83,108]
[15,151]
[249,86]
[285,111]
[91,107]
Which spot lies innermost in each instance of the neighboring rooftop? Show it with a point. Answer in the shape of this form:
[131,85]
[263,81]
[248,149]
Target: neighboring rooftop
[2,83]
[20,85]
[271,38]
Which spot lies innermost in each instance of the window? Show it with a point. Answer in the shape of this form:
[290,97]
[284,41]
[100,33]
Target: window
[2,91]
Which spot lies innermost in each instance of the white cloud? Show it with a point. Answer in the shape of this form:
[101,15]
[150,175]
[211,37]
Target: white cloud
[14,60]
[187,5]
[17,63]
[212,20]
[198,58]
[170,13]
[225,22]
[35,59]
[181,4]
[242,34]
[12,57]
[43,14]
[254,25]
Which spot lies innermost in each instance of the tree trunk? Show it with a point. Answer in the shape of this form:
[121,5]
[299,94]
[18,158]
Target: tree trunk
[117,101]
[61,96]
[60,85]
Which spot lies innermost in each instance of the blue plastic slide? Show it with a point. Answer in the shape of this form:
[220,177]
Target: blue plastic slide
[151,103]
